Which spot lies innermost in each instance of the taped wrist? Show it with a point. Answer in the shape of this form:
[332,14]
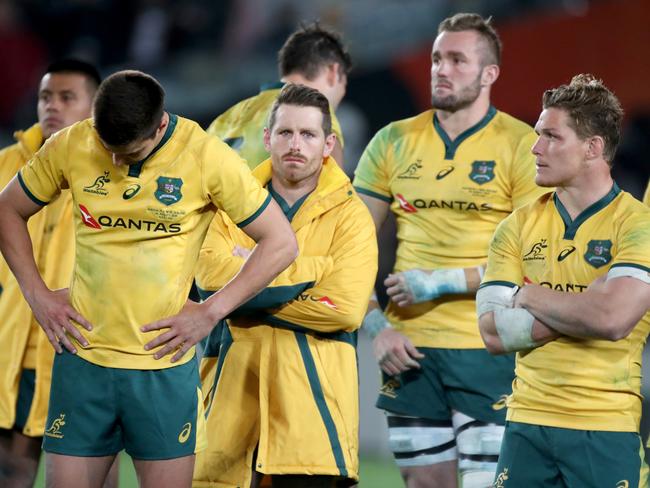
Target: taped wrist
[374,322]
[428,286]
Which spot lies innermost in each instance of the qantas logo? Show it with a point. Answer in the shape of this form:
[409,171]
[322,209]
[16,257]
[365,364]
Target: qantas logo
[404,204]
[88,219]
[327,302]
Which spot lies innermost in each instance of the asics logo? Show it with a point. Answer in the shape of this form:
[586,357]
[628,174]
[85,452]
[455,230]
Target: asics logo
[565,253]
[444,172]
[131,191]
[185,433]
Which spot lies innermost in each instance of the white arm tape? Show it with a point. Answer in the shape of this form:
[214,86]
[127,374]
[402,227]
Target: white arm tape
[426,286]
[374,322]
[629,271]
[494,297]
[515,328]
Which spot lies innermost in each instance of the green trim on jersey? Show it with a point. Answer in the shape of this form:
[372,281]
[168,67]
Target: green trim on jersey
[257,213]
[452,146]
[341,336]
[631,265]
[372,194]
[509,284]
[319,398]
[29,193]
[571,227]
[136,169]
[274,85]
[289,211]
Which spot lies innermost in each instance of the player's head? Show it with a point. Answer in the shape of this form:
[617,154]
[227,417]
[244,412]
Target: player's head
[318,55]
[579,130]
[299,134]
[465,61]
[65,95]
[129,115]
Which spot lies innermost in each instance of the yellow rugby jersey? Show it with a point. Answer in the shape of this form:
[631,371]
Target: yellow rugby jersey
[139,228]
[242,125]
[646,197]
[447,197]
[575,383]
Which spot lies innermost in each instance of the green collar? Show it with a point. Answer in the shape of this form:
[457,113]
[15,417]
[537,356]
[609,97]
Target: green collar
[289,212]
[136,169]
[571,227]
[272,86]
[452,146]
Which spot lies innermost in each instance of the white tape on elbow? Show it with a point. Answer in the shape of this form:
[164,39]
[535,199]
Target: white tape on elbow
[494,297]
[515,328]
[429,286]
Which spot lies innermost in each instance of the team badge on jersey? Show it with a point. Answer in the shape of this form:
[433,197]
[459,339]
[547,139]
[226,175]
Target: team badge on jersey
[599,252]
[169,190]
[98,186]
[482,172]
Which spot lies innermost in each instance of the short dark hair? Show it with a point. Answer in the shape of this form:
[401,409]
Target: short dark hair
[310,48]
[483,27]
[129,106]
[303,96]
[70,65]
[592,108]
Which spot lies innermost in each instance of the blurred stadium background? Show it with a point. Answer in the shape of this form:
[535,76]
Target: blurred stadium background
[210,54]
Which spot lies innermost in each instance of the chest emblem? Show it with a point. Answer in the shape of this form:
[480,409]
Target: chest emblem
[98,186]
[599,252]
[169,190]
[411,173]
[482,172]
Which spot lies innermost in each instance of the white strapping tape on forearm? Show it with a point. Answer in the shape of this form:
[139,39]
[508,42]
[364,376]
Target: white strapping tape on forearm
[374,322]
[481,272]
[429,286]
[494,297]
[629,271]
[515,328]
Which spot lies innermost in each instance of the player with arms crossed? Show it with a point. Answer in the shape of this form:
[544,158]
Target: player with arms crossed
[449,175]
[291,370]
[579,320]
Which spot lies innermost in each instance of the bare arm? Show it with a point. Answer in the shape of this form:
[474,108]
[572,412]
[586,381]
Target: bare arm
[607,309]
[276,248]
[51,309]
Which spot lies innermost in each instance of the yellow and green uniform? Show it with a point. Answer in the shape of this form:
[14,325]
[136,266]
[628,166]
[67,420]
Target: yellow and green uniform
[28,348]
[139,228]
[448,197]
[242,125]
[291,369]
[587,384]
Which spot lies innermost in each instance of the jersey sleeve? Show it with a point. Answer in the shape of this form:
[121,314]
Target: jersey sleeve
[646,197]
[217,266]
[504,266]
[634,242]
[43,177]
[372,177]
[230,185]
[524,189]
[338,302]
